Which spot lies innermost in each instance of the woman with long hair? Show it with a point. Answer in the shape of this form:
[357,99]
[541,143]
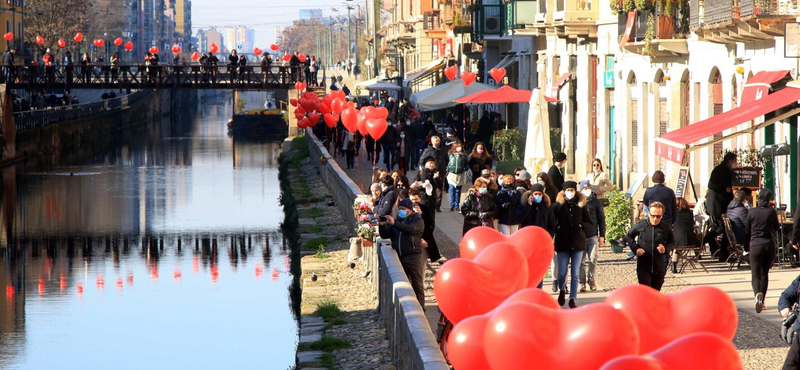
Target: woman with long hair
[478,207]
[456,173]
[599,179]
[543,179]
[479,160]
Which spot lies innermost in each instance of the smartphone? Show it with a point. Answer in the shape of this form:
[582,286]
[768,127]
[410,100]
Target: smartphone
[382,218]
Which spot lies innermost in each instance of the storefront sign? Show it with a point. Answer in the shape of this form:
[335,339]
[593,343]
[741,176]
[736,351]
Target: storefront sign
[608,79]
[791,40]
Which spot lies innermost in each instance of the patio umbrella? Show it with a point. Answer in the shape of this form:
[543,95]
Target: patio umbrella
[537,144]
[443,96]
[505,94]
[377,84]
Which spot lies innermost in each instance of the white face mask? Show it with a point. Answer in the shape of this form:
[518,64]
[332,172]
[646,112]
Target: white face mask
[587,192]
[458,149]
[569,194]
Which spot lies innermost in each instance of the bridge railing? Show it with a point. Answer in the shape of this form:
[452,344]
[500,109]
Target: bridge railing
[32,119]
[147,76]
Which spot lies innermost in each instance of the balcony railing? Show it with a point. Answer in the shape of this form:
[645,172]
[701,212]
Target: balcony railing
[673,27]
[488,20]
[710,12]
[431,20]
[576,10]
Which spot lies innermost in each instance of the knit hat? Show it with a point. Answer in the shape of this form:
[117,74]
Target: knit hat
[537,187]
[406,203]
[570,185]
[524,175]
[560,157]
[584,184]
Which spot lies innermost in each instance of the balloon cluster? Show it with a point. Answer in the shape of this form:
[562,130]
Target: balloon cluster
[502,321]
[335,107]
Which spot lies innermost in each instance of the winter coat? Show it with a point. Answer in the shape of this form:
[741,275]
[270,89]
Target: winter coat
[556,176]
[406,234]
[476,165]
[389,137]
[600,183]
[598,216]
[572,218]
[438,183]
[737,213]
[536,214]
[386,202]
[456,163]
[763,220]
[507,202]
[718,198]
[683,229]
[789,297]
[438,155]
[478,210]
[661,193]
[646,236]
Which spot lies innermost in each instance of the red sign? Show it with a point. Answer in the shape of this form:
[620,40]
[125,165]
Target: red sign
[628,29]
[669,152]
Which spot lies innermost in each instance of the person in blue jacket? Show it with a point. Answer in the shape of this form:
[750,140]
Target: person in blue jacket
[787,306]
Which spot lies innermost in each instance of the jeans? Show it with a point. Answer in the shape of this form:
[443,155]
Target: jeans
[573,260]
[508,229]
[455,196]
[589,260]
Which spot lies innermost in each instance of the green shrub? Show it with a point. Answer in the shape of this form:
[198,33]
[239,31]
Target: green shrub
[326,343]
[618,214]
[328,310]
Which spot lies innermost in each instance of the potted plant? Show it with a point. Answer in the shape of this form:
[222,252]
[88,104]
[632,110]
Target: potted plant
[366,231]
[508,151]
[618,218]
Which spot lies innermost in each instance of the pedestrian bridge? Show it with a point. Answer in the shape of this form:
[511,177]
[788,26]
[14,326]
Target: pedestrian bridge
[151,77]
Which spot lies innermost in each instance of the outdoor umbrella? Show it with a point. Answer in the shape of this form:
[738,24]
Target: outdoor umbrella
[505,94]
[537,144]
[443,96]
[377,84]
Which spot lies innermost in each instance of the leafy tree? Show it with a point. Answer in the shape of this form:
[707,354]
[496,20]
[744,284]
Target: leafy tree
[53,20]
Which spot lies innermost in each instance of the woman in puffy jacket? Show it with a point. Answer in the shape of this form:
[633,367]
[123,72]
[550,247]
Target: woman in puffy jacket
[478,207]
[507,201]
[456,173]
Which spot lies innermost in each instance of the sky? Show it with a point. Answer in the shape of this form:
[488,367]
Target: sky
[263,17]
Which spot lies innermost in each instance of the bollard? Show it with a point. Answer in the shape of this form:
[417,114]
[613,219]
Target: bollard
[355,249]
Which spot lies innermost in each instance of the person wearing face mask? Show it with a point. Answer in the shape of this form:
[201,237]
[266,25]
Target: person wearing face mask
[595,236]
[651,240]
[438,153]
[403,151]
[479,160]
[389,144]
[556,171]
[456,173]
[572,218]
[599,179]
[388,198]
[428,181]
[406,236]
[535,210]
[507,201]
[491,178]
[478,208]
[428,241]
[549,189]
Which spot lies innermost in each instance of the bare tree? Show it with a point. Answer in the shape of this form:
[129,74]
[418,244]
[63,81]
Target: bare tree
[53,20]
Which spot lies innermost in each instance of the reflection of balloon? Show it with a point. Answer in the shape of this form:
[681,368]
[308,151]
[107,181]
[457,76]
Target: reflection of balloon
[129,45]
[274,274]
[78,37]
[705,351]
[451,72]
[350,119]
[519,334]
[195,264]
[61,43]
[376,127]
[534,242]
[195,56]
[120,284]
[39,40]
[214,274]
[62,283]
[130,278]
[468,77]
[465,343]
[331,120]
[467,288]
[41,286]
[274,47]
[498,74]
[662,318]
[118,41]
[177,274]
[100,283]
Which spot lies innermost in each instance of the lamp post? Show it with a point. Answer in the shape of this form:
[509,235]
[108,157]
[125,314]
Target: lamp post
[349,29]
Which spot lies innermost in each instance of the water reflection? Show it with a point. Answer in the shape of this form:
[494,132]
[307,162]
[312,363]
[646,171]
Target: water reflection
[167,247]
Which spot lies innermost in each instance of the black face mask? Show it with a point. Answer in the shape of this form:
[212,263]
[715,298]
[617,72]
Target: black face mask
[509,186]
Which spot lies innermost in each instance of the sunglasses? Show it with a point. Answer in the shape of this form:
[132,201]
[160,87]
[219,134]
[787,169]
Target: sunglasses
[656,216]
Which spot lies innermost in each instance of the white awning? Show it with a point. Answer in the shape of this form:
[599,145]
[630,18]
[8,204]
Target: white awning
[443,96]
[507,61]
[424,71]
[377,84]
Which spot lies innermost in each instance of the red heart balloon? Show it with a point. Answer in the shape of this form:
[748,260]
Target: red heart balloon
[302,86]
[465,344]
[303,123]
[287,57]
[468,77]
[376,127]
[662,318]
[8,36]
[375,102]
[153,50]
[300,109]
[78,37]
[331,119]
[213,48]
[118,41]
[705,351]
[381,112]
[351,104]
[533,241]
[519,335]
[293,102]
[369,111]
[467,288]
[313,118]
[257,51]
[498,74]
[339,94]
[39,40]
[362,123]
[99,42]
[350,119]
[451,72]
[129,45]
[274,47]
[302,58]
[299,115]
[323,108]
[308,105]
[337,106]
[61,43]
[176,49]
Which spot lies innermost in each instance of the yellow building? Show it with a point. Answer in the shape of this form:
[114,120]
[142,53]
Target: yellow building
[11,17]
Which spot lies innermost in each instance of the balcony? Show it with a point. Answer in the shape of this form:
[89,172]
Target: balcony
[488,20]
[400,33]
[574,18]
[522,16]
[732,21]
[543,18]
[670,33]
[432,24]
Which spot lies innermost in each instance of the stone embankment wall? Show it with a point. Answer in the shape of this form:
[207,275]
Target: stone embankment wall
[411,340]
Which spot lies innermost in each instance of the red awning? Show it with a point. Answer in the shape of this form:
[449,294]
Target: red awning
[557,85]
[674,144]
[505,94]
[760,84]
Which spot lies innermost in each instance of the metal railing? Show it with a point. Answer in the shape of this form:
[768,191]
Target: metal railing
[250,77]
[39,118]
[489,20]
[707,12]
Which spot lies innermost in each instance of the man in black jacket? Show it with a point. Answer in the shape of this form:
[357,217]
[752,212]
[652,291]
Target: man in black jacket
[720,194]
[406,235]
[438,152]
[389,143]
[388,197]
[651,240]
[661,193]
[595,236]
[763,223]
[791,326]
[556,171]
[8,63]
[428,241]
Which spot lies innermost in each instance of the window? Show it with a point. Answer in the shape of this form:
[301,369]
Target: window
[610,63]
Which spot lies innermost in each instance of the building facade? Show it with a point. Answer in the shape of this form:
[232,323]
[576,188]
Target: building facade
[207,37]
[240,38]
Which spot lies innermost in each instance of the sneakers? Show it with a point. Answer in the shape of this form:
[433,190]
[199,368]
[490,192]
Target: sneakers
[572,304]
[759,302]
[583,288]
[562,298]
[555,286]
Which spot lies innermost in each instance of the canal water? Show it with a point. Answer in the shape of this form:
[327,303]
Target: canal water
[164,253]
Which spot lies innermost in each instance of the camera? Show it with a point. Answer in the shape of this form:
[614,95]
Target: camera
[787,327]
[382,218]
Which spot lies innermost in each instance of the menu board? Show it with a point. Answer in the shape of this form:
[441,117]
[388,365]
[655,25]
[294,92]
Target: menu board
[747,177]
[683,178]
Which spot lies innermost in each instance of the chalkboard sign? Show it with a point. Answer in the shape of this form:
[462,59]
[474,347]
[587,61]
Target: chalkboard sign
[747,177]
[683,178]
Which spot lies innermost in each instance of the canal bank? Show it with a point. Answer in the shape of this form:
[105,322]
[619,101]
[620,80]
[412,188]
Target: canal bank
[340,325]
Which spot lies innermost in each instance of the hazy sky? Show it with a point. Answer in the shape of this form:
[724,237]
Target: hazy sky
[263,17]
